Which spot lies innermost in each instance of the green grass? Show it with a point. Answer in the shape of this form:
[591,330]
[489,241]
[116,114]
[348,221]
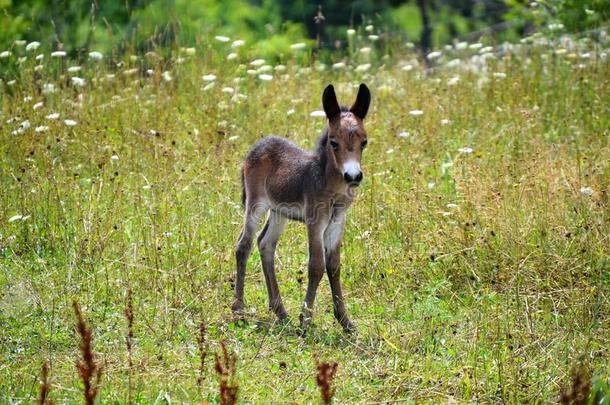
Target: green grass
[494,299]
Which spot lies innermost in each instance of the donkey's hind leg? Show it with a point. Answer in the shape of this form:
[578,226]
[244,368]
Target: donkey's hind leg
[253,214]
[267,242]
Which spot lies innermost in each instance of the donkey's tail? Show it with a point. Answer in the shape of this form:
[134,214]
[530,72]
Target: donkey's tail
[243,189]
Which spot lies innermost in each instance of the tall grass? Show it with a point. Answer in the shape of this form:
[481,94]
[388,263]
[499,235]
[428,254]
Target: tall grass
[476,258]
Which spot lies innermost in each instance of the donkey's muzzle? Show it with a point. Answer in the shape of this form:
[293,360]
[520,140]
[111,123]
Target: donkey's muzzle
[353,179]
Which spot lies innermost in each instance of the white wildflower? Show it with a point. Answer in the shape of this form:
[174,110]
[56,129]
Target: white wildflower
[454,63]
[265,77]
[466,150]
[407,67]
[38,105]
[38,68]
[318,113]
[95,55]
[114,157]
[70,122]
[222,38]
[280,68]
[453,81]
[5,54]
[351,32]
[209,77]
[369,28]
[452,205]
[39,57]
[338,65]
[298,46]
[228,90]
[461,45]
[478,45]
[130,72]
[20,42]
[389,151]
[25,124]
[434,55]
[150,72]
[404,134]
[32,46]
[209,86]
[233,138]
[58,54]
[363,67]
[416,113]
[232,56]
[366,50]
[586,191]
[52,116]
[374,37]
[431,185]
[190,51]
[500,75]
[15,218]
[167,76]
[42,128]
[257,62]
[74,69]
[78,81]
[238,43]
[264,68]
[290,111]
[445,122]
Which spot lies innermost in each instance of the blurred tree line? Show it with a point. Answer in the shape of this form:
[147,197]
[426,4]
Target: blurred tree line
[113,25]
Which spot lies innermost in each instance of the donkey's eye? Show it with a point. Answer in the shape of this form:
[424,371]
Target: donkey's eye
[363,144]
[334,144]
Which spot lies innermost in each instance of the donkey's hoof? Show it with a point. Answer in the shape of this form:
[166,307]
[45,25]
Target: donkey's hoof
[283,317]
[237,307]
[349,328]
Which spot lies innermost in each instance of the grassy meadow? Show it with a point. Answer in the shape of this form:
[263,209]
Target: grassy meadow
[476,259]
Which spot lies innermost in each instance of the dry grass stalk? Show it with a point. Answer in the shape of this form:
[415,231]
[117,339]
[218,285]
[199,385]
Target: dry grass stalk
[88,368]
[324,379]
[203,351]
[225,367]
[129,342]
[45,385]
[578,393]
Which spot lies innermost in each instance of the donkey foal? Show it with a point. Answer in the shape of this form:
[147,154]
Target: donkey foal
[314,187]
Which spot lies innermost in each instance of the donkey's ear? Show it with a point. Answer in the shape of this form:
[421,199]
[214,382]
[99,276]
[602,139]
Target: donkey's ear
[363,100]
[329,101]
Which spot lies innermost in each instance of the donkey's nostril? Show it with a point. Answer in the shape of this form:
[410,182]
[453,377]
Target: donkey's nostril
[352,179]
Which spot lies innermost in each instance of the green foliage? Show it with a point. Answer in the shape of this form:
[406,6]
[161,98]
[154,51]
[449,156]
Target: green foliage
[574,15]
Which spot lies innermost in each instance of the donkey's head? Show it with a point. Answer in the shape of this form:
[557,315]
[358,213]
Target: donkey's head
[346,135]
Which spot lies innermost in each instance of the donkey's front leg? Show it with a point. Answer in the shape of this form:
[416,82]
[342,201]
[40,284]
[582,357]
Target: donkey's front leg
[333,269]
[332,246]
[315,270]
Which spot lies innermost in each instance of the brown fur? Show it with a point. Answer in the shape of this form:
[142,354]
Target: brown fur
[314,187]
